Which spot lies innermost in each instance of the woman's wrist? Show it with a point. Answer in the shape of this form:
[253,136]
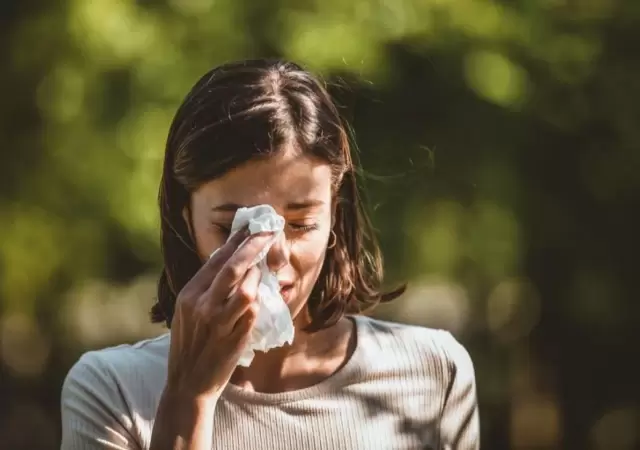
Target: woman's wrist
[188,404]
[183,421]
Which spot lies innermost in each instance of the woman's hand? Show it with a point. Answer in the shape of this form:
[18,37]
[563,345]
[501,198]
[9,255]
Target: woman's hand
[213,318]
[212,321]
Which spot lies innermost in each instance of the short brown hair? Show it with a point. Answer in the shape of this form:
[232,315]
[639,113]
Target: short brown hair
[249,109]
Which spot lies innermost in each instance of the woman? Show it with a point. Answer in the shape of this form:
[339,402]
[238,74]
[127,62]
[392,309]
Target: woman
[266,132]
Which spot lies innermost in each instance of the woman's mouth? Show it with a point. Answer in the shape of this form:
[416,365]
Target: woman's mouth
[285,291]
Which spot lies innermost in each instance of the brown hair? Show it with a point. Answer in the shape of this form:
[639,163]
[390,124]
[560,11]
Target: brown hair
[248,109]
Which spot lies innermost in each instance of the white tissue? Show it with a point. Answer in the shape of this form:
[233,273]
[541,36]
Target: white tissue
[274,326]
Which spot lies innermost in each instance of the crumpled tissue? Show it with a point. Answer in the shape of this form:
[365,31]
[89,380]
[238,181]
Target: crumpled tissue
[274,326]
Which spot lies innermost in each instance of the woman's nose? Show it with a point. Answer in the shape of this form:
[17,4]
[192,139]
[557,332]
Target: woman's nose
[278,255]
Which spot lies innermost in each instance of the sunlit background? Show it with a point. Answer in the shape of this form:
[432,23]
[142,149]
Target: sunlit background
[501,143]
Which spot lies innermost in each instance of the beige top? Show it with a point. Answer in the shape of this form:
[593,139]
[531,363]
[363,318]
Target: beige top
[404,387]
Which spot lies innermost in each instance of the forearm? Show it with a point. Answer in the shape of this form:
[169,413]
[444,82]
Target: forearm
[183,423]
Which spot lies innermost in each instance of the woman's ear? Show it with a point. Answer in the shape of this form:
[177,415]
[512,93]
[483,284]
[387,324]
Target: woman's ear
[334,209]
[335,201]
[186,215]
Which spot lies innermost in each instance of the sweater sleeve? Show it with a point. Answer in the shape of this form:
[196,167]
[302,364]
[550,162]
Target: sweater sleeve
[94,413]
[460,423]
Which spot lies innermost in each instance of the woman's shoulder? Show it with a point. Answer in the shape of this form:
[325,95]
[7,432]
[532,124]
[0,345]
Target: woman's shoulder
[119,386]
[430,348]
[435,360]
[125,362]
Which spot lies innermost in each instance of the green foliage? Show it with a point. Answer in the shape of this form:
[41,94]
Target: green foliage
[529,109]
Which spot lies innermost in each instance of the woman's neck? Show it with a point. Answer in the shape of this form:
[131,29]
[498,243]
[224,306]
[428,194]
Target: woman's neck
[311,358]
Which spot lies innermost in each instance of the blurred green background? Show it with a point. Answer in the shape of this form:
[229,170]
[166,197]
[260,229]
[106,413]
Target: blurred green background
[501,141]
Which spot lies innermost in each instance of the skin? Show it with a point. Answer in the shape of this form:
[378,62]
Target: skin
[300,189]
[216,310]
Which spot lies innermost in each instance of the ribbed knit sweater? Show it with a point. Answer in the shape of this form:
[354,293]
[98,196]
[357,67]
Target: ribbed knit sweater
[404,387]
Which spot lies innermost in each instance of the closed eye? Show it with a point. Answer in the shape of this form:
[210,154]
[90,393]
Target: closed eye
[300,228]
[304,228]
[225,229]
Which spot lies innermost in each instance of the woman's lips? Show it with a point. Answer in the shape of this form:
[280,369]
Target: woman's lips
[285,291]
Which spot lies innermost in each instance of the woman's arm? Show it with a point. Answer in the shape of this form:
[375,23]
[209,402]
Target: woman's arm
[214,315]
[460,423]
[95,416]
[183,423]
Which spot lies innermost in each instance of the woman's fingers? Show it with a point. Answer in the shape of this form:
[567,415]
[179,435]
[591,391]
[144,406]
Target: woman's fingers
[242,329]
[215,314]
[242,300]
[201,281]
[236,267]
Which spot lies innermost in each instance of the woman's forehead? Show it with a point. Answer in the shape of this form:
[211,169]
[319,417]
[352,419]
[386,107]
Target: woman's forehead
[285,180]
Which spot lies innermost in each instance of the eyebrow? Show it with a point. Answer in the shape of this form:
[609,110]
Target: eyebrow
[291,206]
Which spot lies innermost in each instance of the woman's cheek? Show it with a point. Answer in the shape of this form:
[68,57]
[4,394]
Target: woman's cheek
[208,239]
[309,253]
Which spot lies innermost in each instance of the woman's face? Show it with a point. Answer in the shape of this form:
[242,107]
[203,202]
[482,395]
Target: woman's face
[299,189]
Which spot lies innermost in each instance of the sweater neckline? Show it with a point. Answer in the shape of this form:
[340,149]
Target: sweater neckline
[342,377]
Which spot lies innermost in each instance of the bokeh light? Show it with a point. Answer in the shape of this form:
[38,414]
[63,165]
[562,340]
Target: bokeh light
[513,309]
[437,303]
[617,428]
[24,348]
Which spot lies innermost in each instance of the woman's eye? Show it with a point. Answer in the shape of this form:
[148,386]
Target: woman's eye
[222,228]
[303,228]
[300,228]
